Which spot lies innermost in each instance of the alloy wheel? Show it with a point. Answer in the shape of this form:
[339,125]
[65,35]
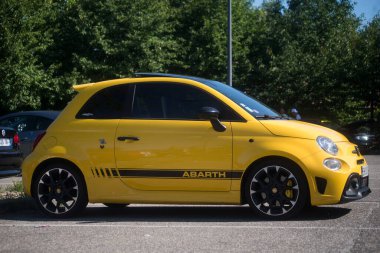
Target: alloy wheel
[274,190]
[57,191]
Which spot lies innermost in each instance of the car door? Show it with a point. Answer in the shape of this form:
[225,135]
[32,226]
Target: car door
[164,145]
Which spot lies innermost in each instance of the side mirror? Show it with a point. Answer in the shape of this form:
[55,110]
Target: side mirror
[212,114]
[209,113]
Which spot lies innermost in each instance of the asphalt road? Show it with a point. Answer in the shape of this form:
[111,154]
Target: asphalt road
[352,227]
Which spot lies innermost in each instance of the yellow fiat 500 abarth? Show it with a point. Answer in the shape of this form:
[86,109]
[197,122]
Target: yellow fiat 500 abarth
[172,139]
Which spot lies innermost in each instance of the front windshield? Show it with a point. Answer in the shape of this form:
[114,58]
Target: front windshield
[251,105]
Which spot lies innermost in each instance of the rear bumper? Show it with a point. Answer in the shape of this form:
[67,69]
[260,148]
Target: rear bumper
[356,188]
[10,163]
[10,173]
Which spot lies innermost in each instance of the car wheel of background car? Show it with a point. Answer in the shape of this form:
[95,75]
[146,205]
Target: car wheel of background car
[60,191]
[112,205]
[276,189]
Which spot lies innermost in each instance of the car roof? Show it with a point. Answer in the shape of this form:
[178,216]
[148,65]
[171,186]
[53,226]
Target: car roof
[47,114]
[143,75]
[194,78]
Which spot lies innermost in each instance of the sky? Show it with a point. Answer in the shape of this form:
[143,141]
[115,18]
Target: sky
[369,8]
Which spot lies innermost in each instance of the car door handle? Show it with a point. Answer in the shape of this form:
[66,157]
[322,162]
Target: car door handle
[130,138]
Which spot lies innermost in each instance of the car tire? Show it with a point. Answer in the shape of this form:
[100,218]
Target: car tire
[60,191]
[276,189]
[116,206]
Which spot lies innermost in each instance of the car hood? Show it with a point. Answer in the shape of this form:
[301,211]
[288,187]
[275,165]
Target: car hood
[300,129]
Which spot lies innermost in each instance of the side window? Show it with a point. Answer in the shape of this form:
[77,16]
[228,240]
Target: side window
[109,103]
[175,101]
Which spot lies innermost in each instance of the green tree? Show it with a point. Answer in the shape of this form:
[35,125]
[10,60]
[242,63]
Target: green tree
[47,46]
[99,40]
[266,38]
[313,69]
[201,32]
[22,39]
[365,96]
[310,54]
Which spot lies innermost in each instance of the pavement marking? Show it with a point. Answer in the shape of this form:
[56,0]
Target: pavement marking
[187,226]
[357,202]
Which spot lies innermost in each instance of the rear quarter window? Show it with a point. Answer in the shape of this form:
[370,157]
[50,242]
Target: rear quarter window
[108,103]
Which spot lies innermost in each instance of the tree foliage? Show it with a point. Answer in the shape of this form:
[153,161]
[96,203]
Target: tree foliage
[312,54]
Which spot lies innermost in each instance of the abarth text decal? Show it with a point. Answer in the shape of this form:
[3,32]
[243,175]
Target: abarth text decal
[180,174]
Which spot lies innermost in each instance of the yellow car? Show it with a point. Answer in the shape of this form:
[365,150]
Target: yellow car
[162,138]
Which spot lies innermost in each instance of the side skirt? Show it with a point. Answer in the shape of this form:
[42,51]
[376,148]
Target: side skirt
[174,197]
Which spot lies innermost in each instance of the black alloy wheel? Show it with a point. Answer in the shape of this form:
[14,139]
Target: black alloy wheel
[60,191]
[276,189]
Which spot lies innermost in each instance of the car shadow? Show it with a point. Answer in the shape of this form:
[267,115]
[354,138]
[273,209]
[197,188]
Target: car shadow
[155,213]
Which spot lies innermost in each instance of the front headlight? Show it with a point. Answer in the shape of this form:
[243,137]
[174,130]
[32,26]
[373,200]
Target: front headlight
[327,145]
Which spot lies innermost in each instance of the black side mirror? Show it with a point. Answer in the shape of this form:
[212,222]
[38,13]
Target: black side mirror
[208,113]
[212,114]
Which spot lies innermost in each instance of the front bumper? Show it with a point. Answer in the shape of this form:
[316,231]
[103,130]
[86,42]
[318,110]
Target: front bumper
[328,187]
[356,188]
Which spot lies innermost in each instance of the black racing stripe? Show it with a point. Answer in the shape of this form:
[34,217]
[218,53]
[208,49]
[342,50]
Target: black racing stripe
[114,173]
[149,173]
[180,174]
[236,174]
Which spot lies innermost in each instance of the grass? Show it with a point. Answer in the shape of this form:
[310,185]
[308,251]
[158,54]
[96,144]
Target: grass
[13,199]
[16,190]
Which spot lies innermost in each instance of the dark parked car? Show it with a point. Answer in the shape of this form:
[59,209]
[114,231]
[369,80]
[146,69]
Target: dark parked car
[10,155]
[28,125]
[364,133]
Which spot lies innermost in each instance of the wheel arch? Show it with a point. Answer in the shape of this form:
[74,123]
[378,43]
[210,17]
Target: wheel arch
[56,160]
[268,158]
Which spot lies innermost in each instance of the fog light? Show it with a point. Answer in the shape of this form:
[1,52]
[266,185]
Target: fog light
[354,184]
[353,187]
[332,164]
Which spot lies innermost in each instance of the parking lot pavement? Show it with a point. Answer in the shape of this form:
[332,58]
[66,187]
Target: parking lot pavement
[352,227]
